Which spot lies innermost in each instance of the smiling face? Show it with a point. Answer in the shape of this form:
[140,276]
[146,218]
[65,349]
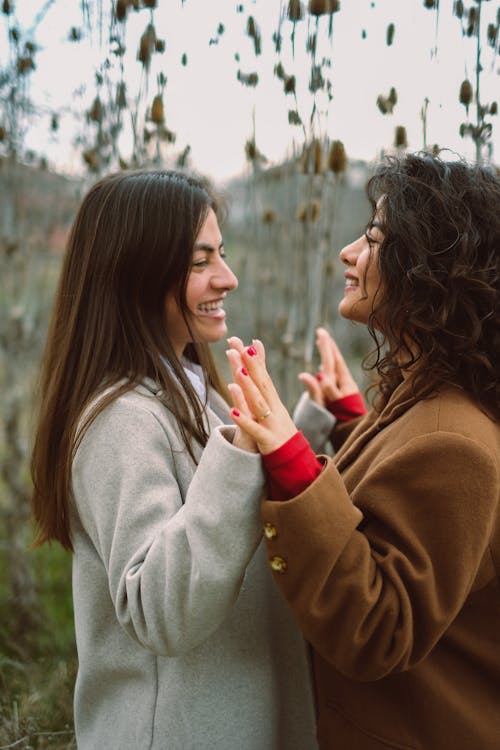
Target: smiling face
[362,274]
[209,281]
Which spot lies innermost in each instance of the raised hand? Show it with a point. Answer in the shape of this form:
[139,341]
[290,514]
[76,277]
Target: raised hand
[333,380]
[258,409]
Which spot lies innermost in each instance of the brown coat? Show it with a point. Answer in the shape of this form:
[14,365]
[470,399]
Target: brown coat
[390,561]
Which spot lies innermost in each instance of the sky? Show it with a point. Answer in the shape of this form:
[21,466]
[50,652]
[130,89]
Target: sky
[215,114]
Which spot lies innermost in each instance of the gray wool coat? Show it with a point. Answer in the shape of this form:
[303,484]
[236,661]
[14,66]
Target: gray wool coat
[184,642]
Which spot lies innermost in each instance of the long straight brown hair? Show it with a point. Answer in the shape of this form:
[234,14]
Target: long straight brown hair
[131,244]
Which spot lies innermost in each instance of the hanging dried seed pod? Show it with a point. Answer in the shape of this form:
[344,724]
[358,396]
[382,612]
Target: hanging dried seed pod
[289,84]
[337,159]
[465,96]
[184,59]
[91,159]
[492,34]
[150,3]
[96,111]
[301,213]
[146,45]
[459,9]
[390,34]
[279,71]
[318,157]
[393,96]
[400,139]
[157,114]
[121,96]
[318,7]
[25,64]
[382,104]
[6,7]
[121,10]
[494,108]
[295,10]
[251,150]
[251,26]
[269,216]
[294,117]
[429,4]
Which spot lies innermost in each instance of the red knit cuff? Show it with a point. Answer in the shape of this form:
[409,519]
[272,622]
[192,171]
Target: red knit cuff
[348,407]
[292,467]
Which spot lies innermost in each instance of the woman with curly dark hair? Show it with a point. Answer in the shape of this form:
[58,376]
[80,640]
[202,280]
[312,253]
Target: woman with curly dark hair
[389,554]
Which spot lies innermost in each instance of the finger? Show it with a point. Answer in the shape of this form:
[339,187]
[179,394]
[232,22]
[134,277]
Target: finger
[249,426]
[344,376]
[323,342]
[239,400]
[236,343]
[235,361]
[257,404]
[313,387]
[254,361]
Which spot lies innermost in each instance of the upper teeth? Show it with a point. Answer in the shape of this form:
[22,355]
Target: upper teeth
[351,282]
[208,306]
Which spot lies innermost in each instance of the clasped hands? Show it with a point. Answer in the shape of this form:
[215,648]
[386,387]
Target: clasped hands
[258,411]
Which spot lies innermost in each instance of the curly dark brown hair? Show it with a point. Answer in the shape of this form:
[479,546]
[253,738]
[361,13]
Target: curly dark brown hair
[439,265]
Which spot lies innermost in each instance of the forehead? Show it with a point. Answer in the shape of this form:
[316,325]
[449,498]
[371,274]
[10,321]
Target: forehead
[209,233]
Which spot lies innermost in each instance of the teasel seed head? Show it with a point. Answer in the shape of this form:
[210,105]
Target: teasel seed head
[318,7]
[400,139]
[458,8]
[96,111]
[91,159]
[269,216]
[337,159]
[289,84]
[318,156]
[295,10]
[121,10]
[465,95]
[279,71]
[157,113]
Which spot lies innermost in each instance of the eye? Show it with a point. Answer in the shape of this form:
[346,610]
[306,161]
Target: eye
[200,263]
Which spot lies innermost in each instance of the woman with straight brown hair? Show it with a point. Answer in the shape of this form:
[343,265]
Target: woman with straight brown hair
[183,643]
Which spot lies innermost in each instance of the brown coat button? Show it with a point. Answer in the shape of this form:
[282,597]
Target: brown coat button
[270,531]
[278,564]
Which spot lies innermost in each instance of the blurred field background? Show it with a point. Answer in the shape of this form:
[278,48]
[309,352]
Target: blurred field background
[288,219]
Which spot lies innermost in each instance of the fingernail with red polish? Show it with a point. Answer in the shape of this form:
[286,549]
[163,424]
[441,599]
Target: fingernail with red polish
[319,376]
[251,351]
[243,371]
[235,412]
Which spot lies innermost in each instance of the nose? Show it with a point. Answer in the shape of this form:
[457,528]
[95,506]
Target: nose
[349,254]
[224,277]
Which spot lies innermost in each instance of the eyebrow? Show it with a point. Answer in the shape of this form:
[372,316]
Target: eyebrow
[207,248]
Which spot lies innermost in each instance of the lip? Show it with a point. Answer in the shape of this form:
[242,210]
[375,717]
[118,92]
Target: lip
[218,314]
[348,287]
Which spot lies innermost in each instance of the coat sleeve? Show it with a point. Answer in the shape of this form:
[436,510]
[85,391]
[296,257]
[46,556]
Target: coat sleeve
[373,591]
[174,568]
[315,422]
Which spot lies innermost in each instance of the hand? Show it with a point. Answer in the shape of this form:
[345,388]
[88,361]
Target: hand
[334,379]
[241,439]
[258,410]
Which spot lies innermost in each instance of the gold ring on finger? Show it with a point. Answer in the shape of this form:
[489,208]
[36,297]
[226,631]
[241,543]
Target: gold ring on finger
[265,415]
